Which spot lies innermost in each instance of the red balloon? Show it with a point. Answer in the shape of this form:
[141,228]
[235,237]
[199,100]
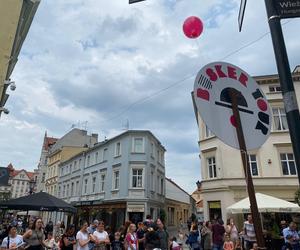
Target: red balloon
[192,27]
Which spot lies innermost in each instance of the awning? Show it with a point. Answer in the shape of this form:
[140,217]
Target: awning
[266,204]
[38,202]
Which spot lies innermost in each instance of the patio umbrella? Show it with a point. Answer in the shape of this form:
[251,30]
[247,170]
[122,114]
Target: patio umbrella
[266,204]
[38,202]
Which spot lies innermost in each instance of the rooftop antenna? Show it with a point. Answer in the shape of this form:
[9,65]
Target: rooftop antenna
[126,125]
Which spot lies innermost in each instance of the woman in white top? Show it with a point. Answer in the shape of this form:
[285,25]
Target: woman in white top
[13,240]
[101,237]
[83,237]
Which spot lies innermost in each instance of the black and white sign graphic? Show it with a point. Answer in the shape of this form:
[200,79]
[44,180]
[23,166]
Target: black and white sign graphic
[212,86]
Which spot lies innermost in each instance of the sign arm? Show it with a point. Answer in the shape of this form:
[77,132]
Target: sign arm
[249,182]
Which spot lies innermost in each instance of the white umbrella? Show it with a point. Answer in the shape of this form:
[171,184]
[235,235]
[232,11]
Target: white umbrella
[266,204]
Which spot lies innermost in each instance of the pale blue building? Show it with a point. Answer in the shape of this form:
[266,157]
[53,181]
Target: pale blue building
[122,178]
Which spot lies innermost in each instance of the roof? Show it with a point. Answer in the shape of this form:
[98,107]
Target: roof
[106,141]
[170,180]
[48,142]
[15,20]
[14,172]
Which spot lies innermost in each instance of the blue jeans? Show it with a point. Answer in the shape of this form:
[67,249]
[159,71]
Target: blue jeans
[217,247]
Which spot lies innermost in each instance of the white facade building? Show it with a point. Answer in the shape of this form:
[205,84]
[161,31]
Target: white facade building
[272,165]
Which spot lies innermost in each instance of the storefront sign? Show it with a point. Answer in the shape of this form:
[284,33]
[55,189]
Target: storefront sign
[288,8]
[135,208]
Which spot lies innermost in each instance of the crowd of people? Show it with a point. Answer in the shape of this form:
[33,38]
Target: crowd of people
[217,236]
[147,235]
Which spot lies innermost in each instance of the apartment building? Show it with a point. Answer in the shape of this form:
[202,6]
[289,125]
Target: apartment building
[118,179]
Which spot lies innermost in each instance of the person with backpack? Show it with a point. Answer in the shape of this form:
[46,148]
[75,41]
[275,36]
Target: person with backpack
[13,240]
[68,240]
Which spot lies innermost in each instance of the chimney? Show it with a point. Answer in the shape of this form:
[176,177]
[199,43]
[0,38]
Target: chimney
[94,135]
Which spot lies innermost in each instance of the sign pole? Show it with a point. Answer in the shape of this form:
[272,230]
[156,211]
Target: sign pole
[286,80]
[250,188]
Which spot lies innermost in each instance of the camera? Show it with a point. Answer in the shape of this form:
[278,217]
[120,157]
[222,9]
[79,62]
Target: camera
[13,86]
[4,110]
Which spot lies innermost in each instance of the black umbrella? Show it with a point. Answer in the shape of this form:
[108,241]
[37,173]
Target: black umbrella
[39,202]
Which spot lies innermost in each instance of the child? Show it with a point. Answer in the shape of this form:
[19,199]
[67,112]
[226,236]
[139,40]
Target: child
[174,244]
[228,244]
[254,247]
[180,239]
[117,244]
[238,245]
[50,242]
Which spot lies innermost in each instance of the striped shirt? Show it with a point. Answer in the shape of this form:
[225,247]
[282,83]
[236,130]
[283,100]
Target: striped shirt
[249,231]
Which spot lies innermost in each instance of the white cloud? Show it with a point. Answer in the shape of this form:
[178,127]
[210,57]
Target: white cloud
[97,60]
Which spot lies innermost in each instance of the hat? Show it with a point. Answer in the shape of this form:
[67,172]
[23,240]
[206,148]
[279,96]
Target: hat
[96,222]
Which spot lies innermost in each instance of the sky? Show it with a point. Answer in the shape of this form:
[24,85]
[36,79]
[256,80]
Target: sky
[112,64]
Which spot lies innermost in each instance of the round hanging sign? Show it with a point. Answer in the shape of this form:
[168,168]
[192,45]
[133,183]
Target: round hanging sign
[213,89]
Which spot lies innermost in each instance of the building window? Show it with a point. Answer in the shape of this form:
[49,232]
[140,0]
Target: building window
[138,145]
[279,116]
[208,132]
[253,165]
[68,190]
[94,184]
[59,190]
[43,177]
[102,182]
[72,189]
[64,191]
[75,165]
[118,149]
[162,186]
[77,188]
[137,178]
[212,168]
[157,184]
[274,88]
[96,157]
[85,185]
[88,161]
[288,164]
[171,215]
[152,149]
[105,154]
[79,164]
[151,181]
[116,180]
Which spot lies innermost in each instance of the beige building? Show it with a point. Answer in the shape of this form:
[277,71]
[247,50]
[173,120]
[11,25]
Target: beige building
[272,165]
[55,158]
[179,205]
[72,143]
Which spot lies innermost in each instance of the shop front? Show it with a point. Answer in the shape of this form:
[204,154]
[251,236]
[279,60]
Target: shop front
[113,214]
